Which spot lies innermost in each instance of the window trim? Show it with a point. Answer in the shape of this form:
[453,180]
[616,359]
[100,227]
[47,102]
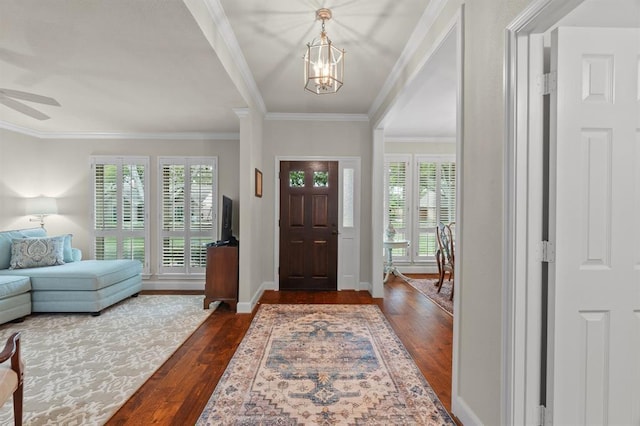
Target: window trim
[119,161]
[412,188]
[186,271]
[408,208]
[439,159]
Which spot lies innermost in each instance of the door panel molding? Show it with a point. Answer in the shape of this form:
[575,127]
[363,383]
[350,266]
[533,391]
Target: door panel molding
[349,246]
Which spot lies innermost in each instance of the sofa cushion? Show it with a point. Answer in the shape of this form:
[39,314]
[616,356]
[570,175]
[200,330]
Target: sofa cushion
[67,252]
[36,252]
[85,275]
[6,238]
[11,285]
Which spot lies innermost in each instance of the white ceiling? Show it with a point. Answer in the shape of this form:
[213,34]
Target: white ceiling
[427,106]
[144,66]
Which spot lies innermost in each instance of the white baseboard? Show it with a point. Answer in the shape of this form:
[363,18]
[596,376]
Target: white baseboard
[463,412]
[244,308]
[365,286]
[268,285]
[247,307]
[418,269]
[173,285]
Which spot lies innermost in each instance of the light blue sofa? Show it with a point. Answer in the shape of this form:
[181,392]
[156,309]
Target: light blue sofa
[15,297]
[75,286]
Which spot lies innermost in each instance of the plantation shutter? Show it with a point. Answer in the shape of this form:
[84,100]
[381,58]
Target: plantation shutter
[447,208]
[436,195]
[120,197]
[188,213]
[427,210]
[397,201]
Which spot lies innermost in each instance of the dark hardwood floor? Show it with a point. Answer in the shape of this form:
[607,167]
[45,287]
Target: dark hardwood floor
[179,390]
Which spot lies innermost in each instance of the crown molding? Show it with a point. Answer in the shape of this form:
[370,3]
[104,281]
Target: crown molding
[229,37]
[296,116]
[422,28]
[241,112]
[120,135]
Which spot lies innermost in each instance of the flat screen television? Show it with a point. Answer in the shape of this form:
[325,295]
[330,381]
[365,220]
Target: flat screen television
[226,232]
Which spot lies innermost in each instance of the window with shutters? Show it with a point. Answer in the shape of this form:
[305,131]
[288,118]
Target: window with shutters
[120,217]
[417,200]
[397,201]
[188,206]
[435,199]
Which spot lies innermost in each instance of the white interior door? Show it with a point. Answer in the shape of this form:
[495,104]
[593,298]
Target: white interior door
[594,304]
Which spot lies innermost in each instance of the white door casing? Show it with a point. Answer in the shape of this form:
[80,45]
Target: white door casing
[594,293]
[348,208]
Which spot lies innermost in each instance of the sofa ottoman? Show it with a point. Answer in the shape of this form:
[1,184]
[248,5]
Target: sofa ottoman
[70,284]
[84,286]
[15,297]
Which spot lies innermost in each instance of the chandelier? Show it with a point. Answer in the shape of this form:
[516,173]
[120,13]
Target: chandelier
[323,62]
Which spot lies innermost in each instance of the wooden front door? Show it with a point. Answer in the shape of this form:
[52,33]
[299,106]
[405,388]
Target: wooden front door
[308,225]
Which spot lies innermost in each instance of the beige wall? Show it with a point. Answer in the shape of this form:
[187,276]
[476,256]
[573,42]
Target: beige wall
[482,198]
[321,139]
[479,285]
[61,168]
[252,245]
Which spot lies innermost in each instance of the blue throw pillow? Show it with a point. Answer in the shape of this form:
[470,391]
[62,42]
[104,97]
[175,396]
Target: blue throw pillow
[66,248]
[37,252]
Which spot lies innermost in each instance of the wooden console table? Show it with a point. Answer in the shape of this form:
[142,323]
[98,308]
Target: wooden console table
[221,276]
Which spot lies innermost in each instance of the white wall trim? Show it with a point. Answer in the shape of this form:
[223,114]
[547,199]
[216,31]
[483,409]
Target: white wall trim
[234,50]
[521,168]
[295,116]
[421,29]
[247,307]
[166,284]
[383,116]
[366,286]
[196,136]
[419,139]
[460,219]
[429,268]
[462,411]
[377,212]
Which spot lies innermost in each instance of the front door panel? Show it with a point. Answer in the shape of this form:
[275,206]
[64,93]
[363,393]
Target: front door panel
[308,225]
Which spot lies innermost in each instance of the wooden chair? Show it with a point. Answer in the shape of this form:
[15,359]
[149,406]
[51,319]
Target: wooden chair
[11,376]
[445,257]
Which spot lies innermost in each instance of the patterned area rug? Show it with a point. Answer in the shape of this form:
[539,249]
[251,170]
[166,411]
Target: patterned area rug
[429,289]
[322,364]
[80,369]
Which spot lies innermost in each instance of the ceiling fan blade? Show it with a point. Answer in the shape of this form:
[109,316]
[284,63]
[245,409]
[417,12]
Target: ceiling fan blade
[20,107]
[32,97]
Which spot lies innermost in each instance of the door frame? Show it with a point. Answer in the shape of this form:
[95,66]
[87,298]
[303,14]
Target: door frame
[348,239]
[521,277]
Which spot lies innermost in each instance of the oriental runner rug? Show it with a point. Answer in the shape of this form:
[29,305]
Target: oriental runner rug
[80,369]
[428,288]
[326,365]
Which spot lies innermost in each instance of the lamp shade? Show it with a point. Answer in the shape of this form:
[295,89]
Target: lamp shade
[41,206]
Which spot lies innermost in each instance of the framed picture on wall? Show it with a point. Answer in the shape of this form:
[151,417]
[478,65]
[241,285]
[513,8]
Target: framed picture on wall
[258,183]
